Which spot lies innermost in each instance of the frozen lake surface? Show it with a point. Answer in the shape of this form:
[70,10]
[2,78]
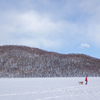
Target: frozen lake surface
[49,89]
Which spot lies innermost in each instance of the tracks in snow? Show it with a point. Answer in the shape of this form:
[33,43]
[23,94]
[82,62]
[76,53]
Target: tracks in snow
[59,92]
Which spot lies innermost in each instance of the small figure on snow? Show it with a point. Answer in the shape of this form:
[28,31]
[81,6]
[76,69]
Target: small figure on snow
[86,80]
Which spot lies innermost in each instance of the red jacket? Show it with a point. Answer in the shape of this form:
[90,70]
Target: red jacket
[86,79]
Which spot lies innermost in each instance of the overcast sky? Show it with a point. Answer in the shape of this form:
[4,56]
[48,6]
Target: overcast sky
[63,26]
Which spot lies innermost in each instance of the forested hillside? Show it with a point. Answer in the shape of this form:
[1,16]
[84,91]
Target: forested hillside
[22,61]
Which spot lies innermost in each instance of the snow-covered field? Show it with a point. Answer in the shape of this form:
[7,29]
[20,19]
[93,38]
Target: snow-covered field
[49,89]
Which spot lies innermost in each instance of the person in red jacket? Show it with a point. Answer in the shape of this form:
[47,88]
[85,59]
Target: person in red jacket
[86,80]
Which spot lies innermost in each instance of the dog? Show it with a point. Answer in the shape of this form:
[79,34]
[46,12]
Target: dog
[80,83]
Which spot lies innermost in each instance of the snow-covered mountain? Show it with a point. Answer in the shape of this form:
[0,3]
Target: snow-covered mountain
[22,61]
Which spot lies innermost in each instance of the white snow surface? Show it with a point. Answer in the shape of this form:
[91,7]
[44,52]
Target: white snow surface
[49,89]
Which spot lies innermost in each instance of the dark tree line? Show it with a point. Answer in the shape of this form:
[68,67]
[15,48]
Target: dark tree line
[22,61]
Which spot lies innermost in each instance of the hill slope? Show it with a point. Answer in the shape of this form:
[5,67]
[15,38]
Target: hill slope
[22,61]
